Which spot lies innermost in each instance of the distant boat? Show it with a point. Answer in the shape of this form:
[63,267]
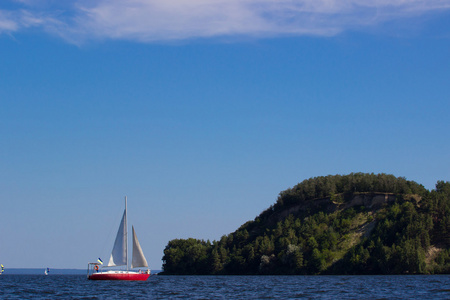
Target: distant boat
[3,269]
[47,271]
[119,257]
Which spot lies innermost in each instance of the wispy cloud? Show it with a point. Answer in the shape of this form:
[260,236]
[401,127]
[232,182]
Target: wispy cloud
[161,20]
[8,22]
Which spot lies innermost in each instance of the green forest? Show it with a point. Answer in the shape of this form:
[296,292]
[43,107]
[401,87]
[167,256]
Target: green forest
[338,224]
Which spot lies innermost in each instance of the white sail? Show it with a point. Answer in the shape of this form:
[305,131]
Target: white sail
[119,252]
[138,259]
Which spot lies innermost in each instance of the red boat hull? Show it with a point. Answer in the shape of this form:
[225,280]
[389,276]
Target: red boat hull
[119,276]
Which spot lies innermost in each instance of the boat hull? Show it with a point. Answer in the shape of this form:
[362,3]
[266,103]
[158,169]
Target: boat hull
[119,276]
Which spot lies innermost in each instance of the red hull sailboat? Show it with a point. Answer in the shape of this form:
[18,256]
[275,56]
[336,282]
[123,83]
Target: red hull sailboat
[119,257]
[117,275]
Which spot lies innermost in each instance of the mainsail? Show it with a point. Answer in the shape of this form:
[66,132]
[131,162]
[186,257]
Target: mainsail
[138,256]
[119,252]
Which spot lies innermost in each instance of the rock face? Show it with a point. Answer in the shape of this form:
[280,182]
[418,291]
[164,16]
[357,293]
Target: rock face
[372,200]
[369,200]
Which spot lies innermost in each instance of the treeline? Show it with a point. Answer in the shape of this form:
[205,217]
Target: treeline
[409,235]
[347,185]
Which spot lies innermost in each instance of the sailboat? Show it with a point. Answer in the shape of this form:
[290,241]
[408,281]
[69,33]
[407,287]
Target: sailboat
[47,271]
[2,270]
[119,257]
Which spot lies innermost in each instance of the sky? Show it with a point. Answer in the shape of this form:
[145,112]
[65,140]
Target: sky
[202,111]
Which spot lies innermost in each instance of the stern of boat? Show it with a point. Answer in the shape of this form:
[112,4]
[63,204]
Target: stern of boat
[93,268]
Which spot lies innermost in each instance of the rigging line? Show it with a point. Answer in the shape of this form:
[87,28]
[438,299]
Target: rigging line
[108,242]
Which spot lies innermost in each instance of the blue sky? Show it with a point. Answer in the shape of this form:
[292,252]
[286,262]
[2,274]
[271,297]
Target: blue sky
[201,112]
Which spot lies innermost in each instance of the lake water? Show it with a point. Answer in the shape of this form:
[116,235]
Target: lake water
[227,287]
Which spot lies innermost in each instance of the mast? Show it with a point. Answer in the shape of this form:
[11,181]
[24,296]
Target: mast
[126,231]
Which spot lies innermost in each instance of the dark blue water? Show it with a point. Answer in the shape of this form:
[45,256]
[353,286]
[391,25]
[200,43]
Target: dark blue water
[227,287]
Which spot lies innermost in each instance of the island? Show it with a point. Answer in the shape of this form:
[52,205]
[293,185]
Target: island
[360,223]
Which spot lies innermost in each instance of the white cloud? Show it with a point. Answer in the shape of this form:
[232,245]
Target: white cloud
[158,20]
[7,22]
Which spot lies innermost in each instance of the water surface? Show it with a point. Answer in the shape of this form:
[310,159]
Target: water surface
[227,287]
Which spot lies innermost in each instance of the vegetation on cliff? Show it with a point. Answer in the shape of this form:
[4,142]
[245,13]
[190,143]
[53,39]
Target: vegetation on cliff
[343,224]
